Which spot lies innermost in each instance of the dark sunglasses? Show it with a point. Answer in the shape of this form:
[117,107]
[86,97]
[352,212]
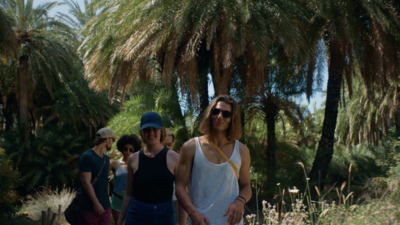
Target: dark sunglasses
[225,114]
[124,149]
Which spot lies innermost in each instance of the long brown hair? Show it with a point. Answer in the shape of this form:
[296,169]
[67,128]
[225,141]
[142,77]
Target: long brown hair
[234,130]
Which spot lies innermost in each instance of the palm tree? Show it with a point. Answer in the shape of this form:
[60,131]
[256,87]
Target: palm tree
[191,39]
[41,55]
[360,36]
[7,36]
[77,17]
[8,46]
[364,118]
[277,95]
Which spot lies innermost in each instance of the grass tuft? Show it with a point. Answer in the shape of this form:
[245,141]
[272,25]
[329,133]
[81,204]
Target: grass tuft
[47,198]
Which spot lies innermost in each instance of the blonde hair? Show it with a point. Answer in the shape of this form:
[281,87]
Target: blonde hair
[234,130]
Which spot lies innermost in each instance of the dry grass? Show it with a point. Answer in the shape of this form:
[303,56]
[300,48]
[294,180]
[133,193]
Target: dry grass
[382,206]
[45,199]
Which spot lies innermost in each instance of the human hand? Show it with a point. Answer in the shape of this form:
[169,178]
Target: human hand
[98,209]
[235,212]
[199,219]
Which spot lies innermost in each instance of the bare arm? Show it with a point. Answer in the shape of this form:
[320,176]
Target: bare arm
[132,161]
[182,220]
[89,190]
[113,168]
[244,174]
[236,209]
[183,215]
[182,180]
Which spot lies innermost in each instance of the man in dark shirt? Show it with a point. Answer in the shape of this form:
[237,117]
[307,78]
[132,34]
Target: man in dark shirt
[93,169]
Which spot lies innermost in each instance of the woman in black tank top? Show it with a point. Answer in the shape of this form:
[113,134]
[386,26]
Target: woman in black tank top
[148,198]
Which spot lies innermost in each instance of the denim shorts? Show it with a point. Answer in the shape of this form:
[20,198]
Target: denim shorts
[140,213]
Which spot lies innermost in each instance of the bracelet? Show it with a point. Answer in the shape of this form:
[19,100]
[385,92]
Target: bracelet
[241,198]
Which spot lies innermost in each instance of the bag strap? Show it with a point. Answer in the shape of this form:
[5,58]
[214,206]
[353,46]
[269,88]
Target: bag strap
[101,170]
[225,157]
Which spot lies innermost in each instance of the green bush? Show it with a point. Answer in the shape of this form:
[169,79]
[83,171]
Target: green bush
[8,180]
[51,160]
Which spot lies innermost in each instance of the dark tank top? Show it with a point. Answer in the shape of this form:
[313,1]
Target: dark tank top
[153,182]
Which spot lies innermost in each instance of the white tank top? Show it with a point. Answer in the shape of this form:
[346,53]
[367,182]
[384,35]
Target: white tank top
[213,187]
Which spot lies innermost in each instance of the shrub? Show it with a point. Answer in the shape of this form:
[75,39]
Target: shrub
[52,158]
[8,180]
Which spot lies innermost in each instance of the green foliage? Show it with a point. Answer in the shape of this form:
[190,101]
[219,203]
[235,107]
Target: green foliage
[377,211]
[367,161]
[52,159]
[163,101]
[9,179]
[292,146]
[379,202]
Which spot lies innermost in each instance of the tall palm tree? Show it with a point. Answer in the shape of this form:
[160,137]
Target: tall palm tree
[8,46]
[42,57]
[277,95]
[190,38]
[360,36]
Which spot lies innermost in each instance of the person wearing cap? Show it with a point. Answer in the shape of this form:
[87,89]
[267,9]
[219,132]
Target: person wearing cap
[93,169]
[217,167]
[127,145]
[151,174]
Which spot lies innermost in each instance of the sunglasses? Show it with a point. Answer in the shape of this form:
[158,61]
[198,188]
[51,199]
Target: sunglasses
[225,114]
[124,149]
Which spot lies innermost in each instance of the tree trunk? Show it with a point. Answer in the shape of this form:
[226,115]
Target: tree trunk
[325,146]
[9,109]
[203,66]
[23,97]
[271,111]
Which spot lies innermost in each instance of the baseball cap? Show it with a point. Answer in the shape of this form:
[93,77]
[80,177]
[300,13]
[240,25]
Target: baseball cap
[151,119]
[105,132]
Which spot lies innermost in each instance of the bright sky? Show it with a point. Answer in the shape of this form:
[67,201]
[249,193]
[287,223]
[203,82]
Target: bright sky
[60,8]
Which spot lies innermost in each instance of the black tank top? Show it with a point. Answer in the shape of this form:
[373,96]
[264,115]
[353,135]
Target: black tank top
[153,182]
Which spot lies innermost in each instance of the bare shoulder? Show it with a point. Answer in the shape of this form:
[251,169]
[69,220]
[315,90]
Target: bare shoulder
[173,155]
[189,146]
[243,147]
[133,158]
[133,161]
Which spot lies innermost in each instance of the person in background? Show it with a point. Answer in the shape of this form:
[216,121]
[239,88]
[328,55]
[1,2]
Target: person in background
[217,166]
[169,139]
[93,169]
[180,214]
[151,174]
[127,145]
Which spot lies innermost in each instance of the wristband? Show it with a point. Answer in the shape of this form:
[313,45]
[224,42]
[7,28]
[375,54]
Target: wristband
[241,198]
